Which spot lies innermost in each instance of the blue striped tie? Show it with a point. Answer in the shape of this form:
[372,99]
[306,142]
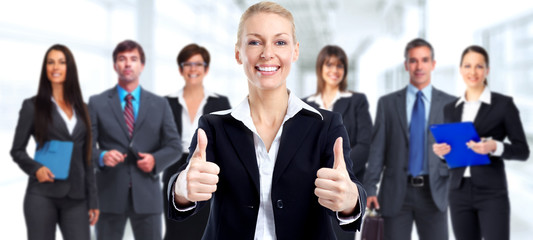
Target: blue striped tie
[417,136]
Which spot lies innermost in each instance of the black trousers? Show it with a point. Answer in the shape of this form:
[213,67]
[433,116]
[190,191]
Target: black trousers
[418,207]
[479,213]
[43,213]
[194,226]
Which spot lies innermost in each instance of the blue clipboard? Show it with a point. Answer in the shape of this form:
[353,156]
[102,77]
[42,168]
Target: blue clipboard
[457,135]
[56,156]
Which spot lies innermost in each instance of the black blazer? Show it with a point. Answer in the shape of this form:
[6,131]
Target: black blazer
[306,146]
[212,104]
[80,183]
[498,120]
[356,119]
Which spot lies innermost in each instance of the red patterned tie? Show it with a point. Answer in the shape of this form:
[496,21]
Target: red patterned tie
[128,114]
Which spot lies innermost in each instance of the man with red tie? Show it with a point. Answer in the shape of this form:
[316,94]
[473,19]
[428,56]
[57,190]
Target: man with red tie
[134,139]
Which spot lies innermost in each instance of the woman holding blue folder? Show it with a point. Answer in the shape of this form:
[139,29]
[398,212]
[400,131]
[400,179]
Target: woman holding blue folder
[57,114]
[479,201]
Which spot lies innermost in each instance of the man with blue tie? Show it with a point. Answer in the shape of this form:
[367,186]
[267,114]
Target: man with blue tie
[414,181]
[134,139]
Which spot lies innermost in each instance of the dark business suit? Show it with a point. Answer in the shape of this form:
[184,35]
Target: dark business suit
[356,119]
[388,161]
[306,145]
[125,186]
[194,227]
[479,205]
[64,202]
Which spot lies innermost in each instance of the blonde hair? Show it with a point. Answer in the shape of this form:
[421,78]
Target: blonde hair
[265,7]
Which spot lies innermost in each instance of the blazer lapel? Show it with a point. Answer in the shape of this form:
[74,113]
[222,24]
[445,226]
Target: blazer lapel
[341,106]
[59,122]
[294,133]
[400,108]
[484,109]
[114,103]
[241,138]
[144,104]
[458,112]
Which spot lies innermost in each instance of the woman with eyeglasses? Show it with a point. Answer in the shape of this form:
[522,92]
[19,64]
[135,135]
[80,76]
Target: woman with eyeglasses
[187,105]
[331,94]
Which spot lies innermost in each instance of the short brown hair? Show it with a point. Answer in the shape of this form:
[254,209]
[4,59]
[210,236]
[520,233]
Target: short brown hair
[126,46]
[265,7]
[191,50]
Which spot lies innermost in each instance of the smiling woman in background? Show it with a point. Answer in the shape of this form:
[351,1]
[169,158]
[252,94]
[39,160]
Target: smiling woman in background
[479,199]
[331,94]
[57,113]
[187,106]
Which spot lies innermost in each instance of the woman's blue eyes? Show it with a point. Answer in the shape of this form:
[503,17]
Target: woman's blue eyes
[278,43]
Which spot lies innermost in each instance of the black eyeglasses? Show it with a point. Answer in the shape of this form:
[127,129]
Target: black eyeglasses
[193,64]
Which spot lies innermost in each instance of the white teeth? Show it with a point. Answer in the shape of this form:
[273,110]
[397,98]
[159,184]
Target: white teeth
[56,74]
[193,75]
[267,69]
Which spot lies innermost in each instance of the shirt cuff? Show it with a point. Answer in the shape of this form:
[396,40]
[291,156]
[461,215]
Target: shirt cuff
[350,219]
[180,187]
[101,159]
[499,149]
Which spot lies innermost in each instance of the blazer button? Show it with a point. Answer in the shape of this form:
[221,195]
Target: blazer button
[279,204]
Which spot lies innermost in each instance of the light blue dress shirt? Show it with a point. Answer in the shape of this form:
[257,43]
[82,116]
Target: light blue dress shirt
[135,102]
[410,102]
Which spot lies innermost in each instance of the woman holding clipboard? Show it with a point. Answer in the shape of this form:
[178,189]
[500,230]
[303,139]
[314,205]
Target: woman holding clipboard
[479,201]
[57,113]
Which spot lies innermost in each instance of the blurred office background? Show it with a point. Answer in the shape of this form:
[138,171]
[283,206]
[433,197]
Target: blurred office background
[372,32]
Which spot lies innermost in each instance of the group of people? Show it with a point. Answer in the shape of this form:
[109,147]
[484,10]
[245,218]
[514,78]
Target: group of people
[274,166]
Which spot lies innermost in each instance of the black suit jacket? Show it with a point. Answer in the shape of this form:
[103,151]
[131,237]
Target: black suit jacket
[306,146]
[154,132]
[498,120]
[212,104]
[356,119]
[80,183]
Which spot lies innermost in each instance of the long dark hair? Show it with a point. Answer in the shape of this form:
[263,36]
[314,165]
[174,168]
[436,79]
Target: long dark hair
[476,49]
[325,54]
[71,94]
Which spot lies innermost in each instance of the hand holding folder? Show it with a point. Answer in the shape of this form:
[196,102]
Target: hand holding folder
[457,135]
[56,155]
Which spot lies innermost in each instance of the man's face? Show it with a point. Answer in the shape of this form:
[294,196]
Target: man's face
[420,64]
[128,66]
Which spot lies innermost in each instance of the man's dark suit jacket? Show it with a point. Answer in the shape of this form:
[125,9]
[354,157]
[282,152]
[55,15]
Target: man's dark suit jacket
[389,153]
[80,183]
[498,120]
[356,119]
[306,146]
[154,132]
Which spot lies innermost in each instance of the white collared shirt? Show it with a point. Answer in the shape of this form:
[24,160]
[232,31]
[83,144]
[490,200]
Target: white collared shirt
[71,123]
[187,127]
[265,226]
[317,98]
[470,111]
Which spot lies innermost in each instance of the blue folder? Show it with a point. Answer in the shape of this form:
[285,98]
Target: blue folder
[56,156]
[457,135]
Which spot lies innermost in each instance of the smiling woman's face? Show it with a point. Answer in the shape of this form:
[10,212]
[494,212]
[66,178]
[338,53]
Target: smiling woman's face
[267,50]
